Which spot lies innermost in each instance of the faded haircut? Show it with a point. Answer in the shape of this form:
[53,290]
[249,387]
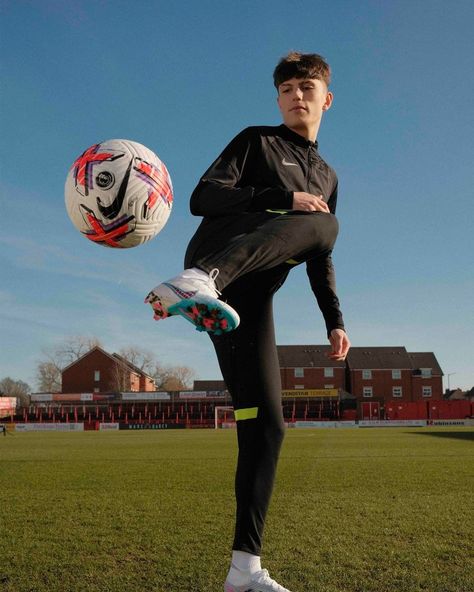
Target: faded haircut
[301,65]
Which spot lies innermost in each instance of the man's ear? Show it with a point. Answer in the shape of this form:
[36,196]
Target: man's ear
[328,102]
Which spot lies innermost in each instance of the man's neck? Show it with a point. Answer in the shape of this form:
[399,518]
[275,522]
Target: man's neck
[310,134]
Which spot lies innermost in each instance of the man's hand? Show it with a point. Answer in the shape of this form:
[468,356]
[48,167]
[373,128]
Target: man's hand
[307,202]
[340,345]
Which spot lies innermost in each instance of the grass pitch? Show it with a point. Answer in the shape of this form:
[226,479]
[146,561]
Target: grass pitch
[367,510]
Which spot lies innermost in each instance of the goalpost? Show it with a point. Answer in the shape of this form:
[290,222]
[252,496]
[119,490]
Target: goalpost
[224,417]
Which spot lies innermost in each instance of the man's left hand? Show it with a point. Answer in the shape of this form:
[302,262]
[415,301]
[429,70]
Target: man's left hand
[340,345]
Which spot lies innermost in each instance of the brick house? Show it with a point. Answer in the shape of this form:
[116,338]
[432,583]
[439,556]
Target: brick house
[379,373]
[427,377]
[302,367]
[378,376]
[308,367]
[382,373]
[373,374]
[98,371]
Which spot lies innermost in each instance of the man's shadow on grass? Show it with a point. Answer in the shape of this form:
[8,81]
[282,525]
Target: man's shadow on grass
[456,435]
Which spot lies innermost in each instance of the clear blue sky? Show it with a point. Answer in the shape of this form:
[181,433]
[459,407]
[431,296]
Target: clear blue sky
[183,78]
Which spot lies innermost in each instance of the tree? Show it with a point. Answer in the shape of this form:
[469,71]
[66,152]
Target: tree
[167,378]
[120,381]
[55,359]
[74,347]
[15,388]
[48,377]
[139,357]
[128,359]
[174,378]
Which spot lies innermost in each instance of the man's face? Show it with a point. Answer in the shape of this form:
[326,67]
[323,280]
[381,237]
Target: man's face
[302,101]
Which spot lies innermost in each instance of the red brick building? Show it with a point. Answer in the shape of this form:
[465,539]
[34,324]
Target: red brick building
[308,367]
[370,374]
[427,377]
[302,367]
[98,371]
[384,373]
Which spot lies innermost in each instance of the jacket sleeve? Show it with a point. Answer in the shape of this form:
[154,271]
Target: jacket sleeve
[332,201]
[222,190]
[322,278]
[323,283]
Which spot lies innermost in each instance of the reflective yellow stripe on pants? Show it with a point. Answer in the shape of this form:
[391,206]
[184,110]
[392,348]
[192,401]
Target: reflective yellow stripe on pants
[248,413]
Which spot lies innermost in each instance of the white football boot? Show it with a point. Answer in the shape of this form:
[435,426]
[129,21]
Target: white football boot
[193,295]
[260,581]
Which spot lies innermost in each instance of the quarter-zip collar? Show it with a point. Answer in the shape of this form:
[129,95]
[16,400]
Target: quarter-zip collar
[292,136]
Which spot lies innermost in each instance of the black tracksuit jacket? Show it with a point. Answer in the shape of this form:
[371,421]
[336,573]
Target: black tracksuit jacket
[259,170]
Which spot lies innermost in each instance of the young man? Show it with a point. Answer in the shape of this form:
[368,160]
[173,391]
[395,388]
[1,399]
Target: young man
[268,204]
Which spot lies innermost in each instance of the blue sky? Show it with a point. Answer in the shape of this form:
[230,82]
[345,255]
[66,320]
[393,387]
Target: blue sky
[183,78]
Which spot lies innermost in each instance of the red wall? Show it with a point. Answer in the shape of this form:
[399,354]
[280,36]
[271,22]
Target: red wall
[449,409]
[395,409]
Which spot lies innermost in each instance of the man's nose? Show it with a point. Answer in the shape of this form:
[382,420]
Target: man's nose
[298,94]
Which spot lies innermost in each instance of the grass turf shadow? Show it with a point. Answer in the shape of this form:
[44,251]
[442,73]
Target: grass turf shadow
[455,435]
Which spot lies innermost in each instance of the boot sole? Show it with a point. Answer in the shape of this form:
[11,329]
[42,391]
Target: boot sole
[210,315]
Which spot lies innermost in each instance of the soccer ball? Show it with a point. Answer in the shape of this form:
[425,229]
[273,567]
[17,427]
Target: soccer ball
[118,194]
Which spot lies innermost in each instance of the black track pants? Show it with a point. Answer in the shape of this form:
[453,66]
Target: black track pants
[237,245]
[249,364]
[251,255]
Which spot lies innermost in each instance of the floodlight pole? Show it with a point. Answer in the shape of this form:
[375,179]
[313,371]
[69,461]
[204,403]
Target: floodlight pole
[450,374]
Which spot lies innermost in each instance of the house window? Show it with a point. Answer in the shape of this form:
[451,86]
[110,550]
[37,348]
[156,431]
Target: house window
[328,386]
[427,391]
[426,372]
[366,374]
[396,374]
[328,372]
[397,391]
[299,372]
[97,375]
[299,387]
[96,389]
[367,392]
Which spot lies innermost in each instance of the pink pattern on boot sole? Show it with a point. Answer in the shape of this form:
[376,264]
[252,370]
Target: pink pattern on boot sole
[159,310]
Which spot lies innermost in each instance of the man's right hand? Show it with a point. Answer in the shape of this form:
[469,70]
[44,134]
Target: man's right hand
[307,202]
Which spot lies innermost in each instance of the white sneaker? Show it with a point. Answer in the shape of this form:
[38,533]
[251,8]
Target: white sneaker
[193,295]
[260,581]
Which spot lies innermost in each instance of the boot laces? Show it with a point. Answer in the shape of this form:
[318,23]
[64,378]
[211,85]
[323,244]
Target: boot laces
[212,279]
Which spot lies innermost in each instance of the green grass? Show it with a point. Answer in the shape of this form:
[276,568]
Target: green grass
[374,510]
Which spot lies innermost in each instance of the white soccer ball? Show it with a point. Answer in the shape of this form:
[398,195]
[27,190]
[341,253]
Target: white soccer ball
[118,194]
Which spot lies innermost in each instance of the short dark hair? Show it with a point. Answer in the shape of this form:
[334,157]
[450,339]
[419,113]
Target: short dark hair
[301,65]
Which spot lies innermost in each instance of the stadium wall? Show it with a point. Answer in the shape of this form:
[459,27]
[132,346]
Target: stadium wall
[187,409]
